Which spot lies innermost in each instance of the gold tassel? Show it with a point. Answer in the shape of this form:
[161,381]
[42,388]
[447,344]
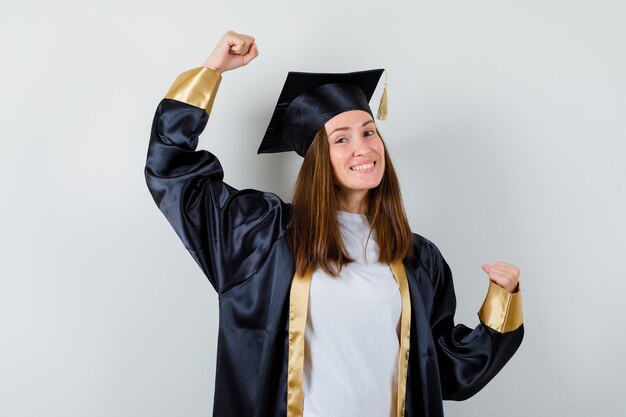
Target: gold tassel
[383,106]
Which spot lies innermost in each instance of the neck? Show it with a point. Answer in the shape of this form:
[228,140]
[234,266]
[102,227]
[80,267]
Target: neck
[353,202]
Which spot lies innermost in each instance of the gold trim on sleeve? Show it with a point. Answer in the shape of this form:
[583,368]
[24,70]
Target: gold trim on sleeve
[196,87]
[501,310]
[399,273]
[298,310]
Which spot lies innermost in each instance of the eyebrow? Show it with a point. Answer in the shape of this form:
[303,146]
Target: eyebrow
[347,128]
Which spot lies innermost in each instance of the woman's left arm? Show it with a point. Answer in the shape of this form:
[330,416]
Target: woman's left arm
[469,358]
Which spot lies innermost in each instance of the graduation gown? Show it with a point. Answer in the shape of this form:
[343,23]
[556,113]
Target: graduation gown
[239,240]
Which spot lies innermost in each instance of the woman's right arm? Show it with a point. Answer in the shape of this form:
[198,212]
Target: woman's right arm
[228,232]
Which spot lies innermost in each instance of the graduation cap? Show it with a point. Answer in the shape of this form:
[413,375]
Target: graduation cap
[309,100]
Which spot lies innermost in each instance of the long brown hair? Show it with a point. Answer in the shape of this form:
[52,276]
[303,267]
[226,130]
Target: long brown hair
[315,236]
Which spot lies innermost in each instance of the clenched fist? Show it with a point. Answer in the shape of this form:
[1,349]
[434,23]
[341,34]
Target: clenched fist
[504,275]
[234,50]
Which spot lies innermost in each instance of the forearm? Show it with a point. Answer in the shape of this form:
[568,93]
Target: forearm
[178,122]
[501,310]
[196,87]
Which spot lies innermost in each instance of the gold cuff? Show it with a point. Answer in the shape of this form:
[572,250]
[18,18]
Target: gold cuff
[501,310]
[196,87]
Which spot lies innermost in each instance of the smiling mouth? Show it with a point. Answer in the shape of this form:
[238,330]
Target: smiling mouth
[362,167]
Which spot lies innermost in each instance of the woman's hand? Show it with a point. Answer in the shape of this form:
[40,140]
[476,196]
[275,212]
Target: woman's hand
[504,275]
[234,50]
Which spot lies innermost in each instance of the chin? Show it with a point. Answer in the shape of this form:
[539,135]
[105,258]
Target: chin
[365,186]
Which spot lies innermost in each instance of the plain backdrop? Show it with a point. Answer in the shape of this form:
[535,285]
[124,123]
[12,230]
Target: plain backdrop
[507,127]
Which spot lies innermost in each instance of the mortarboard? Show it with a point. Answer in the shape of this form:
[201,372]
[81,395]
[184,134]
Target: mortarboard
[308,100]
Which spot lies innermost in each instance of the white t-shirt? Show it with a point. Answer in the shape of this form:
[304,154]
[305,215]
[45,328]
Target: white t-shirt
[352,333]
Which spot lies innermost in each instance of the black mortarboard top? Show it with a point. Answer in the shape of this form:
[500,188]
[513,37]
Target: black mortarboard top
[309,100]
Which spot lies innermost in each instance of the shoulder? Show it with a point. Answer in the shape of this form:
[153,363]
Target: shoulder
[424,250]
[254,210]
[427,258]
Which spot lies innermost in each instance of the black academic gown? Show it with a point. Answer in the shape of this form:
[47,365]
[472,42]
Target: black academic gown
[239,240]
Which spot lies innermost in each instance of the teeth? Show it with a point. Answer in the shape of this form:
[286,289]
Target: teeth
[362,167]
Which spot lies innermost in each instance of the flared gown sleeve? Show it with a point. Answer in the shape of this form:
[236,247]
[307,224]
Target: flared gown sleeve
[227,231]
[469,358]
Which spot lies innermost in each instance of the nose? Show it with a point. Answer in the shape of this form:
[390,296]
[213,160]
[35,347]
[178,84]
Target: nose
[360,148]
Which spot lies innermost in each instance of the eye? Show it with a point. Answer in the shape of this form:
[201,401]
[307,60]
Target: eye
[341,140]
[369,133]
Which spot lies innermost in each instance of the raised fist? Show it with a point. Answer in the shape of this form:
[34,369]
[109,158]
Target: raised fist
[234,50]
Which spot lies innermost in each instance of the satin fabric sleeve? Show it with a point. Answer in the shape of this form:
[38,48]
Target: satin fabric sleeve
[227,231]
[469,358]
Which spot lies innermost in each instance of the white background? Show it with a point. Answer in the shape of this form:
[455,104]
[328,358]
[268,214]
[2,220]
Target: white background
[507,126]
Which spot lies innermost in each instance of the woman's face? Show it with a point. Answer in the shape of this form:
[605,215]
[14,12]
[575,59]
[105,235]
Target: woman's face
[357,154]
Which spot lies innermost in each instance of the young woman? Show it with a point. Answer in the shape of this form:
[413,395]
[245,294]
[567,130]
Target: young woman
[329,306]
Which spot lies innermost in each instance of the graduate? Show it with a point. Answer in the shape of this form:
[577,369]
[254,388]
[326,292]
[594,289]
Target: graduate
[329,306]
